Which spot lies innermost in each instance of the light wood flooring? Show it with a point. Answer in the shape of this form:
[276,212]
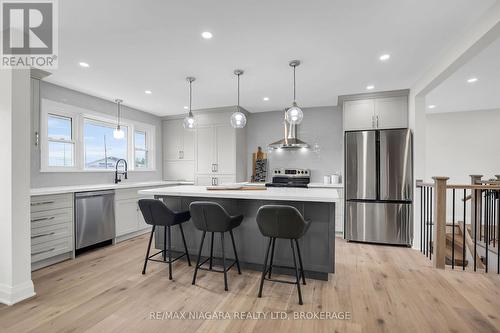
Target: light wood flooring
[386,289]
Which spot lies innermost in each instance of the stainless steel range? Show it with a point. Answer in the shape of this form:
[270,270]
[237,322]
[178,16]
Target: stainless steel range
[283,177]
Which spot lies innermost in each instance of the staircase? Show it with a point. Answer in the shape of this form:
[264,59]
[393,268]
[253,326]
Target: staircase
[459,260]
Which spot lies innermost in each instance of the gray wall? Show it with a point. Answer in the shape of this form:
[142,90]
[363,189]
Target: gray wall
[68,96]
[322,125]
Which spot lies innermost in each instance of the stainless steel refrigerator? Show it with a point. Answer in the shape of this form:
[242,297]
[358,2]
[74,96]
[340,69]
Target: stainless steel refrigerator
[378,186]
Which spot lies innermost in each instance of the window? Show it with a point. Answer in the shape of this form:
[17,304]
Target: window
[101,149]
[60,141]
[73,139]
[140,150]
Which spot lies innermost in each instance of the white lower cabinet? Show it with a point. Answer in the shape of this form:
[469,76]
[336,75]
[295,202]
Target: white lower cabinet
[129,221]
[126,216]
[51,218]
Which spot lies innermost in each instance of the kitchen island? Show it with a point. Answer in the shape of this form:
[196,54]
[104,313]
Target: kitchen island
[316,204]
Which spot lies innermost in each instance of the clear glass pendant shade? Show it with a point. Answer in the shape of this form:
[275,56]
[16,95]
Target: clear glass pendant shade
[238,119]
[294,115]
[189,122]
[118,133]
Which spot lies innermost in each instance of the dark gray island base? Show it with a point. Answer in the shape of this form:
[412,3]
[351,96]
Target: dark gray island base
[317,246]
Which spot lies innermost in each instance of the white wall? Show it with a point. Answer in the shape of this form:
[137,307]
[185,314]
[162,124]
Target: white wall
[15,258]
[459,144]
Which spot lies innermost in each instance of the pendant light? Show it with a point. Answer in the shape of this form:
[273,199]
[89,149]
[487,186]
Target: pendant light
[294,115]
[189,121]
[118,133]
[238,118]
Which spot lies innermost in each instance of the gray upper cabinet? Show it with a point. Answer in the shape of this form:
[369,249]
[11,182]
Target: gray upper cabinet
[376,113]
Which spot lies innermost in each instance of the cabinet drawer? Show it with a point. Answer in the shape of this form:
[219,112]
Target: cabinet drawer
[48,202]
[51,249]
[51,217]
[49,233]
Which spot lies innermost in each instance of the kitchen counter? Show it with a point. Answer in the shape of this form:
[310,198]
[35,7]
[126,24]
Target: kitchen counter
[97,187]
[272,193]
[323,185]
[318,205]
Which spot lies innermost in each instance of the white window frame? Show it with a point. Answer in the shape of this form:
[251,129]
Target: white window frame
[146,149]
[78,116]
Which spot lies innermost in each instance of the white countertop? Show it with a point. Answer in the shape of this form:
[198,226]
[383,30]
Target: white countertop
[274,193]
[96,187]
[323,185]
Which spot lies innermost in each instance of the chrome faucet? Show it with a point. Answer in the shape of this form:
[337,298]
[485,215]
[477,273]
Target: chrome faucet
[119,173]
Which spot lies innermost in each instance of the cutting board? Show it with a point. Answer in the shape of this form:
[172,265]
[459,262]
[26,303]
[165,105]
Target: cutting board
[231,188]
[259,166]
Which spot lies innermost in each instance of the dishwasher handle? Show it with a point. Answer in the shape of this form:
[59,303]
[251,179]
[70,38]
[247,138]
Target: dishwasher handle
[94,194]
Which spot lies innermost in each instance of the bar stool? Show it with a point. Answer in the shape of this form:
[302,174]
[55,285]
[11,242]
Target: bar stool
[212,217]
[285,222]
[156,213]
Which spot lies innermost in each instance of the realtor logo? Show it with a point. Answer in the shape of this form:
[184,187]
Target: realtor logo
[29,34]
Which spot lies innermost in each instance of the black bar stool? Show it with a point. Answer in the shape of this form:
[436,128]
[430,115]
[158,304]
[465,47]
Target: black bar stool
[156,213]
[285,222]
[212,217]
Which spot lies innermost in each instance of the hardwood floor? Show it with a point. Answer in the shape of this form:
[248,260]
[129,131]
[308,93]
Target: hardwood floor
[385,289]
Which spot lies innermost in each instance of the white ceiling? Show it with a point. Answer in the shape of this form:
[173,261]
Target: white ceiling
[133,46]
[456,94]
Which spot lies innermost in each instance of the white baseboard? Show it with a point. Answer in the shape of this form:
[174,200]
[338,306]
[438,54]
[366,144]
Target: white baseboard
[10,295]
[122,238]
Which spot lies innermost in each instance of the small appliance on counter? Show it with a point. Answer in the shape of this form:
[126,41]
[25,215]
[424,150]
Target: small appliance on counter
[283,177]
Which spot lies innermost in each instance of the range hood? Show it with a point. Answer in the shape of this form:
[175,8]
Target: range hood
[290,141]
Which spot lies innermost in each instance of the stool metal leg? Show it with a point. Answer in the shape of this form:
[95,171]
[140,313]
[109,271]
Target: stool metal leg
[296,273]
[235,253]
[211,250]
[264,268]
[300,262]
[272,258]
[224,261]
[149,248]
[169,253]
[164,243]
[199,257]
[185,246]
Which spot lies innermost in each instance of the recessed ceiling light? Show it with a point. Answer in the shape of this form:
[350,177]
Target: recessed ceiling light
[385,57]
[185,108]
[84,64]
[370,87]
[265,99]
[148,92]
[472,80]
[206,34]
[432,106]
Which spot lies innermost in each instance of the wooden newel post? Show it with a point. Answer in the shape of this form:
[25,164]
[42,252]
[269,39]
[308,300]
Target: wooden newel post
[439,241]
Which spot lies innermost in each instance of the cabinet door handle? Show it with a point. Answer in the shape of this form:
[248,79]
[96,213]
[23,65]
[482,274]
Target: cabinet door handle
[216,181]
[44,251]
[42,235]
[216,167]
[377,121]
[41,203]
[43,219]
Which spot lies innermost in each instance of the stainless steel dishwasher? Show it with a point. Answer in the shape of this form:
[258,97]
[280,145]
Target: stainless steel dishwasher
[94,217]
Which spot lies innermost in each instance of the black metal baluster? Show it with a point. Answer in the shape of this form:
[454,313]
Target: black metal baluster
[431,225]
[498,234]
[464,230]
[421,217]
[453,232]
[487,227]
[427,224]
[475,227]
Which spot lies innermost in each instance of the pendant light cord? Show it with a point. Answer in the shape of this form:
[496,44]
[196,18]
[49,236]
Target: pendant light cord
[118,114]
[238,91]
[190,96]
[294,98]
